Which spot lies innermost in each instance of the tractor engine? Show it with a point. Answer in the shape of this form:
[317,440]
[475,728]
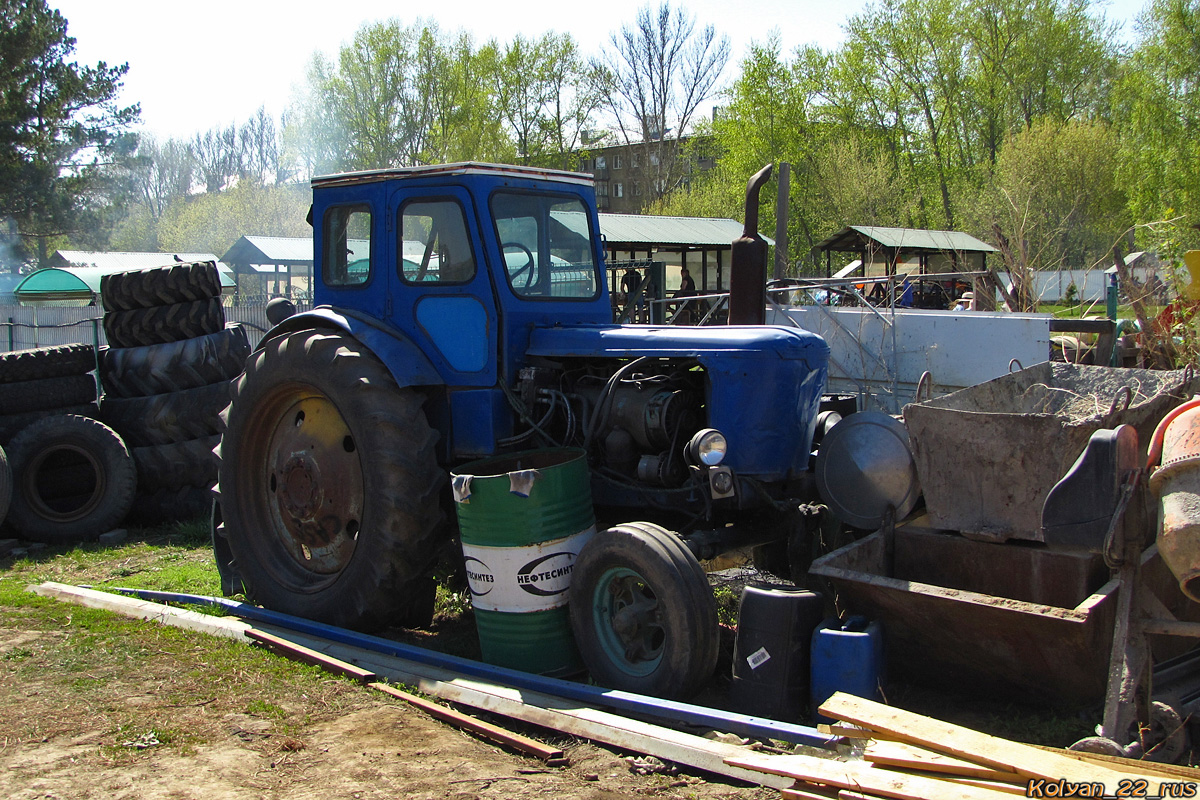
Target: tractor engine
[635,421]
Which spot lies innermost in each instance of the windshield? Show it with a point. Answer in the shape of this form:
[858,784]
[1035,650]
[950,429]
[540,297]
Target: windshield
[546,242]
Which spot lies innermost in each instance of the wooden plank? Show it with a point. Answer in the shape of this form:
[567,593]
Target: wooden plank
[547,711]
[1128,766]
[907,756]
[981,748]
[299,652]
[460,720]
[227,627]
[861,777]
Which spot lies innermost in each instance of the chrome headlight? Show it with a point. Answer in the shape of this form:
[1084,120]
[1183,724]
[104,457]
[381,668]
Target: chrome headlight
[707,448]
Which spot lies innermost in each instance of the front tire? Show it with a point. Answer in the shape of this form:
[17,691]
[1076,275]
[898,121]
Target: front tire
[328,483]
[642,612]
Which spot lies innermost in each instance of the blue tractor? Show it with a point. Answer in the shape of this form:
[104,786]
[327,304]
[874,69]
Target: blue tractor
[462,312]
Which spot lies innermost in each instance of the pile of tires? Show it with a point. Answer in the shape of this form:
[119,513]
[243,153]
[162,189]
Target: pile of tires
[166,375]
[66,476]
[43,382]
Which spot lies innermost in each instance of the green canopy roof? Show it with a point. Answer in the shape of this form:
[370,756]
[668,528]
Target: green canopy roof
[70,283]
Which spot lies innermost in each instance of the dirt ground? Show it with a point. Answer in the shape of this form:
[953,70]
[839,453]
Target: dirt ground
[169,730]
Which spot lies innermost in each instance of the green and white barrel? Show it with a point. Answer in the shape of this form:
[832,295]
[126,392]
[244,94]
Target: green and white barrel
[523,518]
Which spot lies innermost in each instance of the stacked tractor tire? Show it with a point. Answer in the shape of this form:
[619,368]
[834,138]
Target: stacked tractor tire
[166,375]
[66,475]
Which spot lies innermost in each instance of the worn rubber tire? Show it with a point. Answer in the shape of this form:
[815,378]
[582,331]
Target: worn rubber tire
[47,362]
[174,366]
[12,424]
[181,504]
[640,564]
[62,443]
[26,396]
[160,324]
[6,485]
[171,466]
[167,418]
[160,286]
[315,404]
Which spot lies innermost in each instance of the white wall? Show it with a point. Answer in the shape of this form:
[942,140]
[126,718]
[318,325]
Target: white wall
[959,349]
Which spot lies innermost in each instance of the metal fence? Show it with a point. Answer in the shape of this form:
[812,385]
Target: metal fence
[26,326]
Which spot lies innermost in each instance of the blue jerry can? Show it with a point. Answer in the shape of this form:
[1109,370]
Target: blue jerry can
[847,656]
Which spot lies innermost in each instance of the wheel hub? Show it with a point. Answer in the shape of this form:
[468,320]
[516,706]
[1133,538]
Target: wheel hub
[315,480]
[632,629]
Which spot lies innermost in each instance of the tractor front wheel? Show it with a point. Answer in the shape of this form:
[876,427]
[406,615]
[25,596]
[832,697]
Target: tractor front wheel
[643,613]
[329,484]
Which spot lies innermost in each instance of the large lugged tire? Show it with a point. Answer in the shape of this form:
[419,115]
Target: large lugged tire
[5,485]
[158,324]
[329,483]
[69,390]
[47,362]
[174,366]
[170,466]
[167,418]
[160,286]
[643,613]
[48,508]
[12,424]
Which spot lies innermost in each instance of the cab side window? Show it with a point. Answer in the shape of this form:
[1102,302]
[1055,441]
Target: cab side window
[347,256]
[435,245]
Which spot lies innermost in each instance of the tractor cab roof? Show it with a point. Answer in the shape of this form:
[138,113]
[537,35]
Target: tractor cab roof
[452,170]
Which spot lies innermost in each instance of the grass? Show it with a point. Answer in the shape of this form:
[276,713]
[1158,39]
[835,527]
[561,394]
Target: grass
[80,657]
[66,668]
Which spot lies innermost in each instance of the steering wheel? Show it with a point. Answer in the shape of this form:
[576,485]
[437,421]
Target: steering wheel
[512,276]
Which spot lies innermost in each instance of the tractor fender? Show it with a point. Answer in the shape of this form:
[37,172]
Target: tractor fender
[408,365]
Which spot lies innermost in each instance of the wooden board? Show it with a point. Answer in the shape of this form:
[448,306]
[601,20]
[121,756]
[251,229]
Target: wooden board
[980,748]
[547,711]
[911,757]
[301,653]
[460,720]
[1129,766]
[227,627]
[858,776]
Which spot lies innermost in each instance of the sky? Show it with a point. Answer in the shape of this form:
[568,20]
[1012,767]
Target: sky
[196,66]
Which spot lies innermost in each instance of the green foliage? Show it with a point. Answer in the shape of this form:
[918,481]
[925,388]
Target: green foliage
[62,133]
[1055,191]
[1157,102]
[904,124]
[399,96]
[211,223]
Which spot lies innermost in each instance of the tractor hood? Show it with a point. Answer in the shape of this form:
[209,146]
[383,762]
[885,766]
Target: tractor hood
[764,382]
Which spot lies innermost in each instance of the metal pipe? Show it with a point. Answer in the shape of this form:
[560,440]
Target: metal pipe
[670,710]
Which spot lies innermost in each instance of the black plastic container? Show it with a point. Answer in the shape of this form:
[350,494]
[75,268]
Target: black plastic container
[771,652]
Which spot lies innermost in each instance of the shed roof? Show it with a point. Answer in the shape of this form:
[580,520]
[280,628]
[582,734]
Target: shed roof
[123,262]
[645,229]
[854,238]
[269,250]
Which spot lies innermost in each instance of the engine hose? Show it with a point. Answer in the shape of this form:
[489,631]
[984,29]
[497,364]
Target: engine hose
[671,711]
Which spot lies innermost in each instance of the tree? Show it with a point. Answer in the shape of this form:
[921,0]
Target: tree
[1157,104]
[163,172]
[211,223]
[654,78]
[217,157]
[544,95]
[62,132]
[398,96]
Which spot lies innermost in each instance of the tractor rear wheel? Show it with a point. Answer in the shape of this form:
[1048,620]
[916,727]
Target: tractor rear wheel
[329,483]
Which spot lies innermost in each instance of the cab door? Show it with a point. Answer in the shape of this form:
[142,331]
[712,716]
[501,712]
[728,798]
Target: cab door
[439,290]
